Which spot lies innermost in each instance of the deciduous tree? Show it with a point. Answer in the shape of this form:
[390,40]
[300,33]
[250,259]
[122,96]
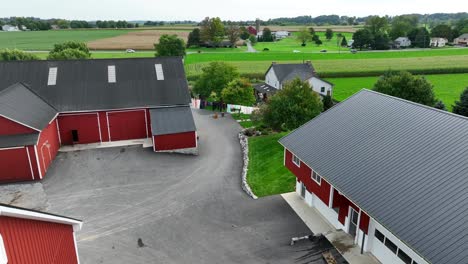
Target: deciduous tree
[214,78]
[329,34]
[170,45]
[406,86]
[16,55]
[362,39]
[233,33]
[69,50]
[303,36]
[194,38]
[442,31]
[239,92]
[292,106]
[461,106]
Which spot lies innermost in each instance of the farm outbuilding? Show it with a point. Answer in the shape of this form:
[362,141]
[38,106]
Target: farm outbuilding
[28,236]
[48,104]
[391,173]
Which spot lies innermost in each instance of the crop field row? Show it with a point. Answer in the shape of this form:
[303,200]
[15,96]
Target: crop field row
[357,65]
[447,87]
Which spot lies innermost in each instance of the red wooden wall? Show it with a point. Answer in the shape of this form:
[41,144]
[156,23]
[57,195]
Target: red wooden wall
[86,124]
[8,127]
[48,146]
[129,124]
[15,165]
[175,141]
[37,242]
[303,174]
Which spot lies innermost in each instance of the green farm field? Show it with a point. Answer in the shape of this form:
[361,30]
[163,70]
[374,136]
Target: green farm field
[447,87]
[45,40]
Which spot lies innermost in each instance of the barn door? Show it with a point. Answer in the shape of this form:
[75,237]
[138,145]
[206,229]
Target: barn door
[46,155]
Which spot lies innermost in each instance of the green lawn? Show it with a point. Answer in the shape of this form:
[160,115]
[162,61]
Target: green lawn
[289,44]
[447,87]
[267,175]
[44,40]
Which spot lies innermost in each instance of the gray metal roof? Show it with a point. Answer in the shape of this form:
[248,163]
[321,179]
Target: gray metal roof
[22,105]
[171,120]
[288,72]
[404,164]
[11,141]
[82,85]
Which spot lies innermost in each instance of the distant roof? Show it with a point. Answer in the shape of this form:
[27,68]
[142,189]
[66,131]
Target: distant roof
[11,141]
[464,35]
[171,120]
[265,88]
[24,106]
[83,85]
[288,72]
[19,212]
[404,164]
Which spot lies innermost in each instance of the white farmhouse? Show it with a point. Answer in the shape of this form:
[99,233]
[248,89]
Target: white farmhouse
[402,42]
[281,34]
[279,74]
[10,28]
[438,42]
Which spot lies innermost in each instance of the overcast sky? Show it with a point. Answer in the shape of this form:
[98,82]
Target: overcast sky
[227,10]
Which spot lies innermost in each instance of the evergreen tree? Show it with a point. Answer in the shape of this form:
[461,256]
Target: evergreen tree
[461,106]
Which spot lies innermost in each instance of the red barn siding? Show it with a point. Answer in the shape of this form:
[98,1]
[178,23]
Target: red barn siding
[37,242]
[86,124]
[129,124]
[48,146]
[175,141]
[304,175]
[15,165]
[148,122]
[8,127]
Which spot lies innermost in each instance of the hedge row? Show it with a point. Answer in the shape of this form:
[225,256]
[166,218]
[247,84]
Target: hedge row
[261,76]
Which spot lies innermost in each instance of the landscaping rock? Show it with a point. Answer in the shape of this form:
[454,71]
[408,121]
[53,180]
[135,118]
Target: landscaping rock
[245,152]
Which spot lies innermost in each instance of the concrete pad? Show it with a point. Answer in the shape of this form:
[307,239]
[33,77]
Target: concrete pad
[27,195]
[145,143]
[342,241]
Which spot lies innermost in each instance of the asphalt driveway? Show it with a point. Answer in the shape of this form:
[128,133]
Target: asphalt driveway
[185,209]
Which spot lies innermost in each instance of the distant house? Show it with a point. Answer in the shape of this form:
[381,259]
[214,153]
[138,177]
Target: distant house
[10,28]
[438,42]
[28,236]
[281,34]
[390,173]
[350,43]
[402,42]
[279,74]
[461,40]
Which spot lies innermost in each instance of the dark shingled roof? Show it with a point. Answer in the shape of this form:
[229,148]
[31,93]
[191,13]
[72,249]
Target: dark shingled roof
[171,120]
[404,164]
[11,141]
[82,85]
[22,105]
[288,72]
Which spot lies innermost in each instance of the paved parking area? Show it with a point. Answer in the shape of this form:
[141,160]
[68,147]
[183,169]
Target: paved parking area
[185,209]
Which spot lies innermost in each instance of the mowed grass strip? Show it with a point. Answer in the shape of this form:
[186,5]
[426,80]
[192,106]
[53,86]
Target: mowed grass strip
[357,65]
[447,87]
[267,175]
[345,55]
[45,40]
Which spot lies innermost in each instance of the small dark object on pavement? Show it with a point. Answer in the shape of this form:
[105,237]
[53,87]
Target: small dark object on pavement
[140,243]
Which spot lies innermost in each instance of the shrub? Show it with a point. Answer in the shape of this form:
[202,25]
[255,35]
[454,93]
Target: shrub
[266,49]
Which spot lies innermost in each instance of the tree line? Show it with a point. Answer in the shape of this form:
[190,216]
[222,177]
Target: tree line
[36,24]
[379,32]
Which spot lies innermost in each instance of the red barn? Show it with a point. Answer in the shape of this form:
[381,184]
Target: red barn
[28,236]
[252,31]
[391,173]
[47,104]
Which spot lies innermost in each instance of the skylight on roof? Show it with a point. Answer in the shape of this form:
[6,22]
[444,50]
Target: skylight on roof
[111,74]
[159,72]
[52,79]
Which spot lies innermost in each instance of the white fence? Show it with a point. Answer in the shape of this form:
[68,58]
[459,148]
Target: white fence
[243,109]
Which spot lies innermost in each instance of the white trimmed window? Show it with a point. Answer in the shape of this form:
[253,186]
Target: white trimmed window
[296,160]
[3,255]
[316,177]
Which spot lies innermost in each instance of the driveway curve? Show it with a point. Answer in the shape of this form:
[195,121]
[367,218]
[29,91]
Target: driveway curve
[143,207]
